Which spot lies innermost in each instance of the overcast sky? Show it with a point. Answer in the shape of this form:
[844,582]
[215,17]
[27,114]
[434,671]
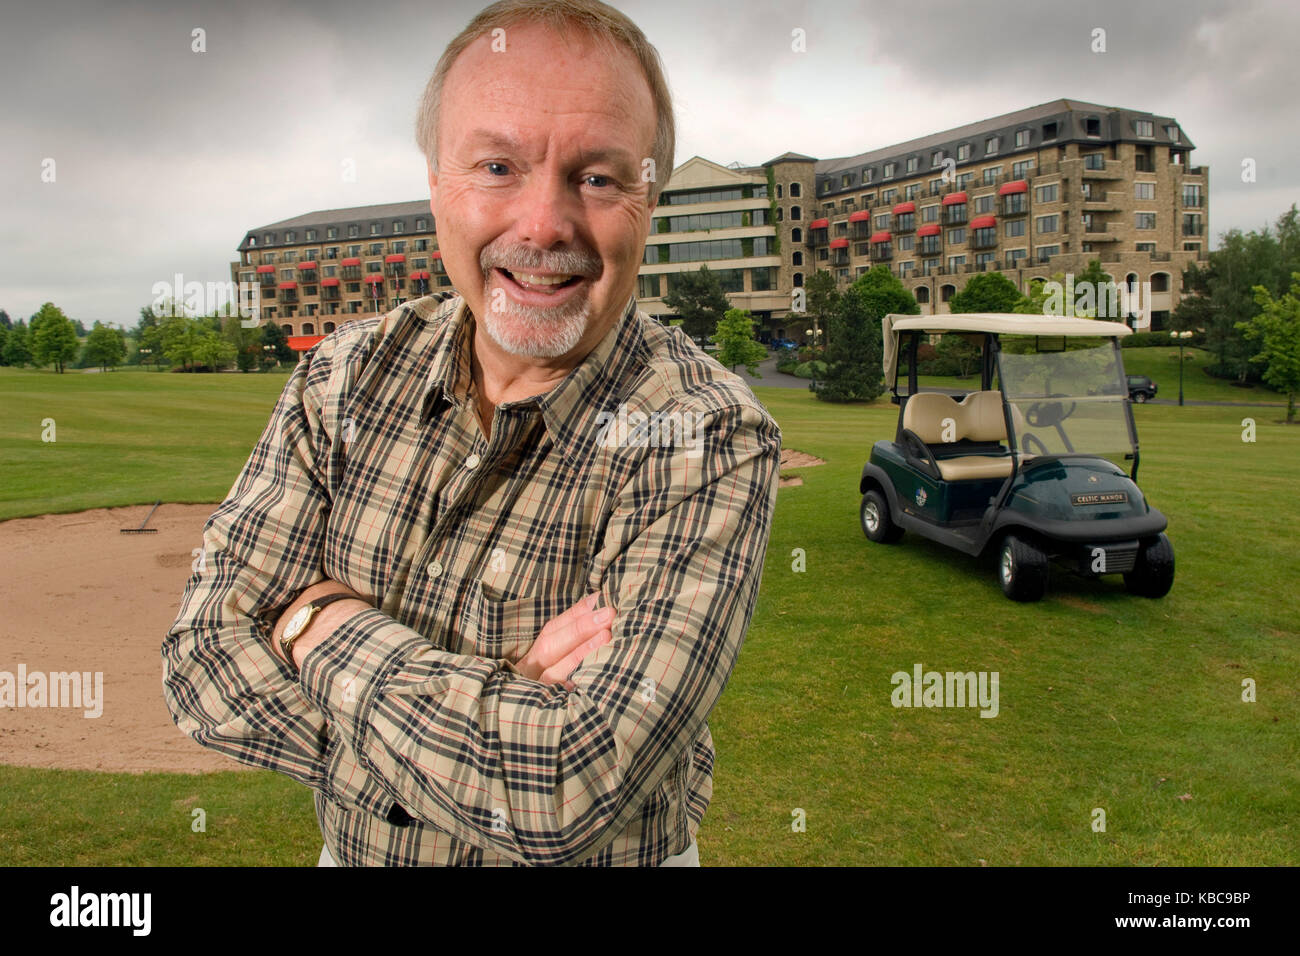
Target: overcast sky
[165,157]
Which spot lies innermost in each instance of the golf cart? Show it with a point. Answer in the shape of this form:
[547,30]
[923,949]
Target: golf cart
[1032,466]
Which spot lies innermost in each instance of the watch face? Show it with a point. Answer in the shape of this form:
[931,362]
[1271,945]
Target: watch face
[297,621]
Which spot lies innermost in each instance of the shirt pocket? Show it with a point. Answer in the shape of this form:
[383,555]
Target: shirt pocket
[500,625]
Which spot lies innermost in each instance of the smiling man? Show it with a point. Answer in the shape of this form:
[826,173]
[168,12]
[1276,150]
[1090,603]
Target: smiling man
[437,593]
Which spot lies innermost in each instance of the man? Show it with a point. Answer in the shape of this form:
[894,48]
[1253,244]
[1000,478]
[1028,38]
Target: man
[507,609]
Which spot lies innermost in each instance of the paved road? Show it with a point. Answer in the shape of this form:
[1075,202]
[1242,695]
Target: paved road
[771,378]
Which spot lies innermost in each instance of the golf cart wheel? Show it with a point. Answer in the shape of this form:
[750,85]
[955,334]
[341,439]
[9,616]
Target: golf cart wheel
[876,523]
[1022,569]
[1153,573]
[1140,397]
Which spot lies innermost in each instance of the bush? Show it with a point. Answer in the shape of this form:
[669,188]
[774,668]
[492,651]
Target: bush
[813,369]
[787,363]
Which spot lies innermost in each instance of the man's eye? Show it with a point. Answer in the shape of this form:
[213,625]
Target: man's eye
[498,169]
[595,179]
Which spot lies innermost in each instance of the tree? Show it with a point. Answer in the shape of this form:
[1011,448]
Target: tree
[274,336]
[246,342]
[986,292]
[4,339]
[105,346]
[958,353]
[1035,301]
[822,300]
[1277,329]
[5,321]
[698,298]
[1091,294]
[853,356]
[54,339]
[17,351]
[212,350]
[735,341]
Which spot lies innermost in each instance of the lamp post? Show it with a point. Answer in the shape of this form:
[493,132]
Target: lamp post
[146,352]
[1181,337]
[814,334]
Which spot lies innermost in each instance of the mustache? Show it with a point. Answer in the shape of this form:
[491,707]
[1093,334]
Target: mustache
[580,262]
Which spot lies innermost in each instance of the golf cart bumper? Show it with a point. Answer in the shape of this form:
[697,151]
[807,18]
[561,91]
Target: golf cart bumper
[1109,531]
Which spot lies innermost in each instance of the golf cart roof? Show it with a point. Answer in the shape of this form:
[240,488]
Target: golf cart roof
[997,323]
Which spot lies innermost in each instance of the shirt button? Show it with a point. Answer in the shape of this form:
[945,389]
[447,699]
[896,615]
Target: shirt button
[472,461]
[435,569]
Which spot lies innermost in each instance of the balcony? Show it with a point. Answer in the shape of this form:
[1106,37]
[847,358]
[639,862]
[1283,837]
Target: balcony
[929,246]
[1101,200]
[954,215]
[1193,229]
[1159,256]
[978,241]
[1014,205]
[1193,202]
[840,257]
[882,252]
[1108,169]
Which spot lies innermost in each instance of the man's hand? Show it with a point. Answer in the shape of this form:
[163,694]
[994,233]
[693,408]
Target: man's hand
[564,641]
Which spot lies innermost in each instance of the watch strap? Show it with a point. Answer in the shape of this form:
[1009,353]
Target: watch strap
[312,607]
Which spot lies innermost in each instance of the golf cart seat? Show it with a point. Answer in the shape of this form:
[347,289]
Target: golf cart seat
[976,418]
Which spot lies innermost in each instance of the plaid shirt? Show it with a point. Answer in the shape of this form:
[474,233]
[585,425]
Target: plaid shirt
[422,742]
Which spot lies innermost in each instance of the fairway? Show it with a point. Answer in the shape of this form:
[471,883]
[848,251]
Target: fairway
[1107,701]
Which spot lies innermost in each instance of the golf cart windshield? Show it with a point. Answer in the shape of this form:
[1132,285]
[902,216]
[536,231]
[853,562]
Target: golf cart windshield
[1068,402]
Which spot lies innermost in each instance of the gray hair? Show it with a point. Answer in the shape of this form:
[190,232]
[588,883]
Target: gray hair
[602,23]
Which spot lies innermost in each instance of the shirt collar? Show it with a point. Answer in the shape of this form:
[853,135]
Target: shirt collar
[569,409]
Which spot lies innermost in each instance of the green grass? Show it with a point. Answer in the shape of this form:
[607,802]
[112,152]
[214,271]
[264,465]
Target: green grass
[1106,700]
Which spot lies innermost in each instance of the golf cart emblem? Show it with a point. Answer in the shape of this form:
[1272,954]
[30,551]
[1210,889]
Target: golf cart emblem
[1109,498]
[1092,479]
[920,497]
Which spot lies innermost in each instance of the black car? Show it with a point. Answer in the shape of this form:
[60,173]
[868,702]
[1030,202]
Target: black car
[1141,388]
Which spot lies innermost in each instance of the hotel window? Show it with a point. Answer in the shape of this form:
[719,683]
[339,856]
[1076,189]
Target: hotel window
[991,145]
[795,191]
[796,259]
[882,221]
[1048,223]
[328,272]
[354,250]
[332,232]
[796,234]
[1094,161]
[1145,127]
[332,252]
[1146,247]
[291,256]
[268,258]
[868,174]
[421,225]
[887,196]
[374,267]
[1015,255]
[823,254]
[1172,133]
[1022,137]
[984,258]
[956,237]
[912,163]
[844,181]
[780,191]
[268,239]
[905,267]
[936,158]
[399,247]
[889,169]
[252,240]
[930,213]
[955,263]
[986,237]
[310,236]
[911,190]
[354,231]
[796,212]
[984,205]
[1144,190]
[1016,227]
[1049,131]
[1046,193]
[1022,169]
[1044,252]
[936,186]
[1146,220]
[420,245]
[991,175]
[290,237]
[376,248]
[963,151]
[906,243]
[1192,195]
[647,287]
[964,180]
[286,275]
[1092,127]
[376,228]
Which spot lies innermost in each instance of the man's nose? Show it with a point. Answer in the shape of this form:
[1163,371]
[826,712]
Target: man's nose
[546,208]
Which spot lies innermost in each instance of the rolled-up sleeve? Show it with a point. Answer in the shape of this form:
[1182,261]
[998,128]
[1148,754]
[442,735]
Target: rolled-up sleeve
[535,772]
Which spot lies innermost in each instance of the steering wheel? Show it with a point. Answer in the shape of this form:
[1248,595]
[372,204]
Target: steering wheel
[1025,441]
[1048,414]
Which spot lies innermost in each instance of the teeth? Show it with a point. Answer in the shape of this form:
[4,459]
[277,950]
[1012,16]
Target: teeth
[541,280]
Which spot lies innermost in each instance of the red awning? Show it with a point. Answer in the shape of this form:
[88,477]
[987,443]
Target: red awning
[931,229]
[819,224]
[265,269]
[329,281]
[395,257]
[288,285]
[435,254]
[953,199]
[350,262]
[373,278]
[419,275]
[839,243]
[301,343]
[904,207]
[861,215]
[881,237]
[304,266]
[984,222]
[1019,186]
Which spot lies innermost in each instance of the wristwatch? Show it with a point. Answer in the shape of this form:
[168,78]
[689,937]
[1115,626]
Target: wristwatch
[302,617]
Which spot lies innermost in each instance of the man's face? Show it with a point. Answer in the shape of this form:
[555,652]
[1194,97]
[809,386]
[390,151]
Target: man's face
[541,209]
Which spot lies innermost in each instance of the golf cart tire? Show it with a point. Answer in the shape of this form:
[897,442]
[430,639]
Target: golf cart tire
[1022,569]
[877,525]
[1140,397]
[1153,573]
